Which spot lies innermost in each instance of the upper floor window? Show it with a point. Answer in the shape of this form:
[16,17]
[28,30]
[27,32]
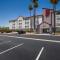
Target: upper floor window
[20,20]
[13,24]
[58,18]
[26,22]
[58,24]
[26,26]
[20,23]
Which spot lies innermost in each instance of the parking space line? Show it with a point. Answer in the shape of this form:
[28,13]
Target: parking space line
[40,53]
[44,40]
[11,48]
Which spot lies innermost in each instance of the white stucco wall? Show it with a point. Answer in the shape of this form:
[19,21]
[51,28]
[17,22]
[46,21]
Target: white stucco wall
[57,20]
[24,23]
[10,25]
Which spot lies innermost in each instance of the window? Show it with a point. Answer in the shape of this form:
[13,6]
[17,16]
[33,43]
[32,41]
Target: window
[58,24]
[20,23]
[20,20]
[26,26]
[58,18]
[13,27]
[13,24]
[26,22]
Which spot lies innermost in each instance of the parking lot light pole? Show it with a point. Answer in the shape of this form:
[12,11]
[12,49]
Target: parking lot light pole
[54,2]
[54,9]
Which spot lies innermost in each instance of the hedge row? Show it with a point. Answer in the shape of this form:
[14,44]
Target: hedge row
[7,31]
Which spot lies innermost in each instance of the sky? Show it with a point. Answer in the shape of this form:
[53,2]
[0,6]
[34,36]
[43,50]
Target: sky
[11,9]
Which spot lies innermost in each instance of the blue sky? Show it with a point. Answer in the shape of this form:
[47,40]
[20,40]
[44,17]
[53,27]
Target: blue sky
[11,9]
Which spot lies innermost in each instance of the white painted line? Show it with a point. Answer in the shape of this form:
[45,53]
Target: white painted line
[39,53]
[44,40]
[11,48]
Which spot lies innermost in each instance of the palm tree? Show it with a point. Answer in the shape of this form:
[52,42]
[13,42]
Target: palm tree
[35,6]
[30,9]
[54,2]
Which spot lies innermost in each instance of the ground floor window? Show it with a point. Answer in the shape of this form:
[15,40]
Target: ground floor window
[57,29]
[46,30]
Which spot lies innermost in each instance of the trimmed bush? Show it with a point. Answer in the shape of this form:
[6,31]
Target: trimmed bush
[5,30]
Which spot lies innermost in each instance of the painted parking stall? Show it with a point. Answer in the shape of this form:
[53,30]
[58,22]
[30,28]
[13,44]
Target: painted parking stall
[21,48]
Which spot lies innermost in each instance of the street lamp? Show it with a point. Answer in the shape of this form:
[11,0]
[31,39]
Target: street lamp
[54,2]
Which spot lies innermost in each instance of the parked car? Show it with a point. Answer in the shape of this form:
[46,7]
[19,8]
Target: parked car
[21,32]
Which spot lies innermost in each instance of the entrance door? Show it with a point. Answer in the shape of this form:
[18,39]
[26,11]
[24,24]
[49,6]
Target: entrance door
[46,30]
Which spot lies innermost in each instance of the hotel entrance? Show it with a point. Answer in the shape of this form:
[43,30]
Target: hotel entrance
[46,30]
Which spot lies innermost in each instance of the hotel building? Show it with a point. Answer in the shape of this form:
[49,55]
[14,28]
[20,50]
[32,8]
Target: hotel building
[44,23]
[25,23]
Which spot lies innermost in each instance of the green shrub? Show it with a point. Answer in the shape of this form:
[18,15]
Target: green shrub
[8,31]
[5,30]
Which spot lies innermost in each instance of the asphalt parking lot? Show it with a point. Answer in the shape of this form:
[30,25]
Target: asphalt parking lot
[19,48]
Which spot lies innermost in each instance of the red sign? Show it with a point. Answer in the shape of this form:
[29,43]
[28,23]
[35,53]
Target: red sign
[47,12]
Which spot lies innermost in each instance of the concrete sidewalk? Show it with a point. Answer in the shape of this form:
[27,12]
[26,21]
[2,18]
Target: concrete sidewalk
[46,34]
[37,36]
